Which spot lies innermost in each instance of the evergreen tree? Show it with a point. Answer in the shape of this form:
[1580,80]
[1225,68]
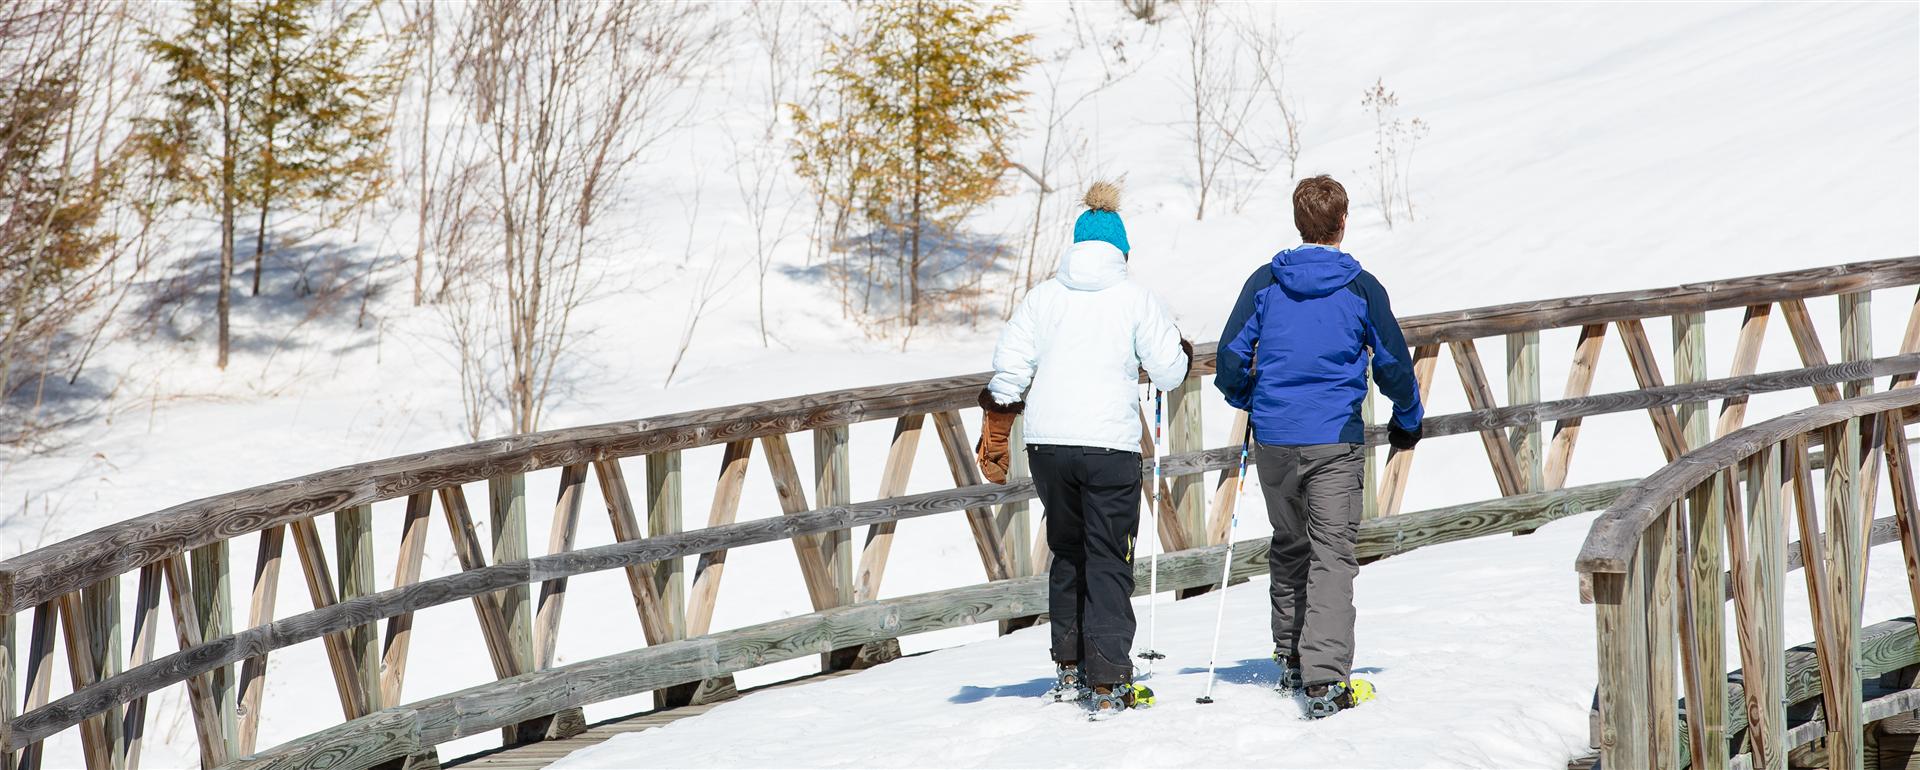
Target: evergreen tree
[319,94]
[197,140]
[923,92]
[274,105]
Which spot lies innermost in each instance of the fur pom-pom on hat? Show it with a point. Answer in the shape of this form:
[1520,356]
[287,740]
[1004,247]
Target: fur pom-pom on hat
[1103,196]
[1101,220]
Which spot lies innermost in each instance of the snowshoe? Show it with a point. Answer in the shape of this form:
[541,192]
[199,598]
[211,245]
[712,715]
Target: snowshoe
[1066,684]
[1289,673]
[1106,702]
[1325,700]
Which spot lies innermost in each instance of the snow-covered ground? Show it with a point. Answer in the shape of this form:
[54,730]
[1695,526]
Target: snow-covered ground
[1575,148]
[1481,650]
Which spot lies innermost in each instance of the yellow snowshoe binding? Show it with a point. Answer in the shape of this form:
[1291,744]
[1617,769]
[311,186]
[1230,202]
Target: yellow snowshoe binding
[1105,702]
[1325,700]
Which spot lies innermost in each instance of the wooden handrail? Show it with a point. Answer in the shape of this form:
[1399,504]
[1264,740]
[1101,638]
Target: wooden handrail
[1610,544]
[30,579]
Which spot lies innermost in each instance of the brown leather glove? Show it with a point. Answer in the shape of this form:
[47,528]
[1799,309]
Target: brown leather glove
[991,449]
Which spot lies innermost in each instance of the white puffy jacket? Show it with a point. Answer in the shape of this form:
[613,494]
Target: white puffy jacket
[1074,350]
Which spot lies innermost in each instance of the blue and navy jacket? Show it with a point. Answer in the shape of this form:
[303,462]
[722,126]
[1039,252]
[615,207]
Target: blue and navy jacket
[1312,316]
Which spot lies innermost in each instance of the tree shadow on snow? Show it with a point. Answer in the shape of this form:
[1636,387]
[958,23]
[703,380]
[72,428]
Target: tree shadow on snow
[955,267]
[1029,689]
[305,290]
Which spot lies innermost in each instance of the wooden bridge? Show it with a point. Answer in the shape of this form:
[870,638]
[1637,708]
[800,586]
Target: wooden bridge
[1655,564]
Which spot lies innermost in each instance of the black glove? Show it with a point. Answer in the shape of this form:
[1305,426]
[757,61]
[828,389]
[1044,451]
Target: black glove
[1187,348]
[1401,438]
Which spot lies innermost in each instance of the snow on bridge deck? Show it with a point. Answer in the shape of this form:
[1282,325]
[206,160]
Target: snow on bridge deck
[1481,650]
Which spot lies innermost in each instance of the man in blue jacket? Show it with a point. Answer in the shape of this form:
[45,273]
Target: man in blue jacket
[1295,354]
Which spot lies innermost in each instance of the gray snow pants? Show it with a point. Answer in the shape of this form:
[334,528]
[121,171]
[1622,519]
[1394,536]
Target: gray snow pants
[1313,499]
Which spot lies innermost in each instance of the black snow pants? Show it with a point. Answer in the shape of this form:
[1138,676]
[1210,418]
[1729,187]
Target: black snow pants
[1092,501]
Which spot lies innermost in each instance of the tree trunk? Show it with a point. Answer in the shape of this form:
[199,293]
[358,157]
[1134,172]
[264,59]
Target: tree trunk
[426,120]
[223,304]
[913,268]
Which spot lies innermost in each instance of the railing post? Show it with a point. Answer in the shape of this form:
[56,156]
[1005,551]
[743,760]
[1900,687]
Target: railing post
[664,518]
[9,674]
[1369,476]
[1184,435]
[1846,552]
[213,607]
[507,519]
[1620,628]
[353,548]
[1019,527]
[1659,548]
[1523,387]
[1706,563]
[832,485]
[1856,337]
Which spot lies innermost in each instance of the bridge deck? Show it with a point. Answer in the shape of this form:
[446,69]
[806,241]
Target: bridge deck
[537,755]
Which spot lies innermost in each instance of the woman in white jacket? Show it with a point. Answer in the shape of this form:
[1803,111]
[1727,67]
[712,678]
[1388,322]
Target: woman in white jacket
[1070,361]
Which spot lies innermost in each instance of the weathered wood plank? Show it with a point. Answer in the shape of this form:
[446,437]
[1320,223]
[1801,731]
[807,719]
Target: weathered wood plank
[1473,377]
[1185,433]
[833,485]
[212,600]
[320,589]
[146,619]
[1393,481]
[1646,371]
[665,516]
[893,483]
[1660,553]
[39,679]
[626,528]
[96,747]
[1846,551]
[792,493]
[1807,341]
[1762,614]
[486,608]
[1523,387]
[353,547]
[1746,357]
[1906,506]
[1620,633]
[1157,496]
[1226,491]
[966,473]
[726,505]
[1707,705]
[553,593]
[1566,432]
[507,520]
[207,724]
[406,571]
[266,592]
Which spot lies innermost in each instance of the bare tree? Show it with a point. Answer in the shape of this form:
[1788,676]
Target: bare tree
[73,209]
[760,168]
[569,97]
[1222,104]
[1268,47]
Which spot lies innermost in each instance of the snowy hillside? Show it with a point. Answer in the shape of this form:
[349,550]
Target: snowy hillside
[1574,149]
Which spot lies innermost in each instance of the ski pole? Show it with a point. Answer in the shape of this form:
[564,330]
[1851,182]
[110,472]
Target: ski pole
[1151,653]
[1226,564]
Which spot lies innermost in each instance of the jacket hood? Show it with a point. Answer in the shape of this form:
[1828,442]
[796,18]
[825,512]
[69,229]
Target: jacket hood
[1092,266]
[1313,270]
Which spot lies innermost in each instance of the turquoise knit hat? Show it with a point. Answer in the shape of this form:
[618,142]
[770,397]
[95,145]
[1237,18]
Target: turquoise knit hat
[1101,220]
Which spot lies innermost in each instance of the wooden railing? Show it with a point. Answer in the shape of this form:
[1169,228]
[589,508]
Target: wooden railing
[181,554]
[1653,564]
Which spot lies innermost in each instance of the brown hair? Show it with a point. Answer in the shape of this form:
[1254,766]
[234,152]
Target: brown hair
[1319,209]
